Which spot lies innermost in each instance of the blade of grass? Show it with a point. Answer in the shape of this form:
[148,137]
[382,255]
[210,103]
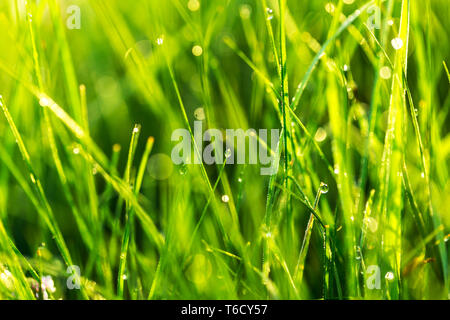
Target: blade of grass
[129,212]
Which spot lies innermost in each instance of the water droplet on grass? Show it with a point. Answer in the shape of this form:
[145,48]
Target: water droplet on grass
[371,224]
[199,114]
[269,13]
[225,198]
[320,135]
[183,169]
[160,40]
[389,276]
[160,166]
[245,11]
[197,50]
[144,47]
[385,72]
[324,188]
[193,5]
[329,7]
[44,102]
[397,43]
[228,153]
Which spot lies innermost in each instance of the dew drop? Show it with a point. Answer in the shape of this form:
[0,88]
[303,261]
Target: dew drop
[228,153]
[320,135]
[323,188]
[225,198]
[397,43]
[350,93]
[389,276]
[269,13]
[199,114]
[160,40]
[142,46]
[329,7]
[183,169]
[197,50]
[160,166]
[193,5]
[44,102]
[245,11]
[385,72]
[371,224]
[76,150]
[358,253]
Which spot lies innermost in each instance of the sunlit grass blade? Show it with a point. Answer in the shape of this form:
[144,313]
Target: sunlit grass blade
[129,212]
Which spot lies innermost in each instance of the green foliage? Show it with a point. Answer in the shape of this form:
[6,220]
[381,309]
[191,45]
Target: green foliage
[364,149]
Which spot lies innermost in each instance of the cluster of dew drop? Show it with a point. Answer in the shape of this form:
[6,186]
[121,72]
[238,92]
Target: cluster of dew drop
[160,40]
[269,13]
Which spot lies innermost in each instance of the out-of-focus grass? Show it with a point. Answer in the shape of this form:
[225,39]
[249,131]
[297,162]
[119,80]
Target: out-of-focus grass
[369,121]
